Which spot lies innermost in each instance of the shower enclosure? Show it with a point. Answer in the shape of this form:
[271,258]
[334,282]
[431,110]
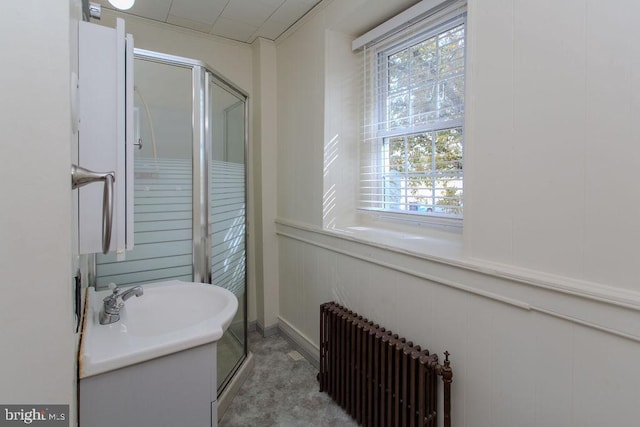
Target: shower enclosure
[190,188]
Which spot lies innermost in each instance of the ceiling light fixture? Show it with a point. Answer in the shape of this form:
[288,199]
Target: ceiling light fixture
[122,4]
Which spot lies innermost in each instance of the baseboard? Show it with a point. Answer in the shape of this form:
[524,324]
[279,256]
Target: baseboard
[302,343]
[268,331]
[252,326]
[224,401]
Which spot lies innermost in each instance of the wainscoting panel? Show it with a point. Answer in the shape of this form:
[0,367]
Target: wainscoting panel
[525,354]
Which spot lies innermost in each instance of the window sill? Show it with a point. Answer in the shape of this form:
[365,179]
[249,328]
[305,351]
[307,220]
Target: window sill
[421,237]
[438,241]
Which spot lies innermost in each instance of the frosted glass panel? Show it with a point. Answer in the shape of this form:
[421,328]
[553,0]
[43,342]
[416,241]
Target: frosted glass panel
[228,226]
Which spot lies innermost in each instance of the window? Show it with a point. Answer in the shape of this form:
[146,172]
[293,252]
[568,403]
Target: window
[412,152]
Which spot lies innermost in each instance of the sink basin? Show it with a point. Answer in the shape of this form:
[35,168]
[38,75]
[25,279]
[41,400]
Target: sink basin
[170,317]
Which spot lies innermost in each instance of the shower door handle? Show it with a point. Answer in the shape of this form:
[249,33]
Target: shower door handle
[81,177]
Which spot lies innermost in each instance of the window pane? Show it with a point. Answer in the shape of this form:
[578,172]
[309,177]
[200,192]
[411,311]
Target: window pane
[451,73]
[449,150]
[420,151]
[424,57]
[397,154]
[424,104]
[453,67]
[399,72]
[398,111]
[420,182]
[452,98]
[449,167]
[450,198]
[452,36]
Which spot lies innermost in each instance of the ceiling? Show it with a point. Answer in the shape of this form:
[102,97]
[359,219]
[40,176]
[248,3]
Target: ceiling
[241,20]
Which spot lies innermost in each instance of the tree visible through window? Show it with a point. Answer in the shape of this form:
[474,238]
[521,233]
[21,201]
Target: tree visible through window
[418,166]
[424,172]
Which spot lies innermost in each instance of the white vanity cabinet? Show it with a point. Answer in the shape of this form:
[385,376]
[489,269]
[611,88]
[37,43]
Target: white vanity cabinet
[178,389]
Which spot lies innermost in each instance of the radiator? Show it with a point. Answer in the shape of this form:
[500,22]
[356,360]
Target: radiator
[379,378]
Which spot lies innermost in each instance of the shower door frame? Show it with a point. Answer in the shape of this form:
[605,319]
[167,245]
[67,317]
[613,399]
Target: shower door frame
[203,76]
[202,137]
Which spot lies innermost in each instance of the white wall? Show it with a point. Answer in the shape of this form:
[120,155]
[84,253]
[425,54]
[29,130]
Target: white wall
[550,137]
[37,353]
[540,314]
[343,79]
[301,123]
[266,164]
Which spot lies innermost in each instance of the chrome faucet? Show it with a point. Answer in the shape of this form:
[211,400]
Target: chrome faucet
[112,304]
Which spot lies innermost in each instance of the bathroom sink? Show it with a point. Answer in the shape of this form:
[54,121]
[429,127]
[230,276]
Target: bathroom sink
[169,317]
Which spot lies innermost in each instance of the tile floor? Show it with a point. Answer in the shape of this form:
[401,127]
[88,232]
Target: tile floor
[282,391]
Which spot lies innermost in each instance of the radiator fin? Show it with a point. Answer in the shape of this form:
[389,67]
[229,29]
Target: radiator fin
[376,376]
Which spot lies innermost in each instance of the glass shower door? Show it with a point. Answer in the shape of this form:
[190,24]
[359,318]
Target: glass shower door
[163,199]
[227,207]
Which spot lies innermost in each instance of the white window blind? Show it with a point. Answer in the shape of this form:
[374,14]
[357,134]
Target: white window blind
[413,113]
